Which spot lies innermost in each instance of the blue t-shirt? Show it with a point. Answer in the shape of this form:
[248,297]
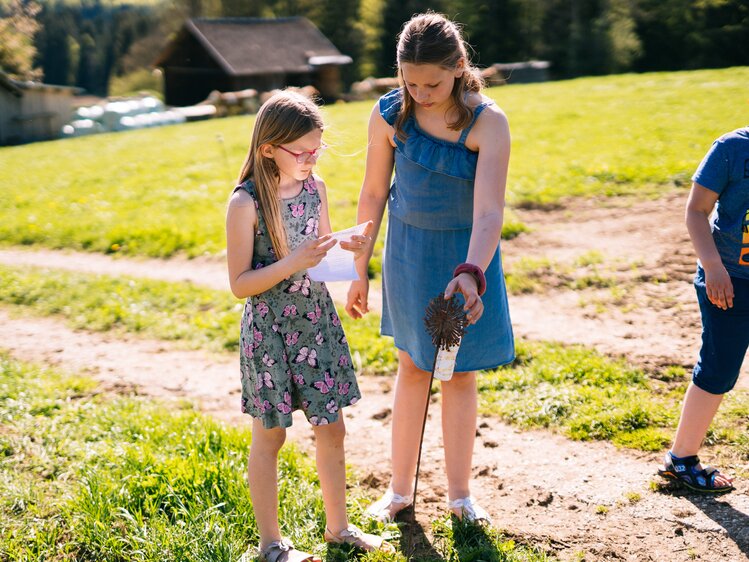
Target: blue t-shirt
[725,170]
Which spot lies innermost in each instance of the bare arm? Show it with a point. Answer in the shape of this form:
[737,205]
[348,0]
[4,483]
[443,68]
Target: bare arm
[241,223]
[717,281]
[324,226]
[491,137]
[372,199]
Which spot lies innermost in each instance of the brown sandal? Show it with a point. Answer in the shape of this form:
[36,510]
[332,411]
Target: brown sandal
[354,536]
[284,551]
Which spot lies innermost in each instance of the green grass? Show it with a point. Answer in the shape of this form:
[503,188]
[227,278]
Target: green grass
[163,191]
[588,396]
[618,135]
[537,275]
[181,312]
[86,475]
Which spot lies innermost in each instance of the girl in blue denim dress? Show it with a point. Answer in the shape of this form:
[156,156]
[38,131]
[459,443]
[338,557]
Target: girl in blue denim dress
[294,354]
[450,149]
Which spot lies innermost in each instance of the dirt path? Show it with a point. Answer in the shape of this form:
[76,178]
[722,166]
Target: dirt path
[544,489]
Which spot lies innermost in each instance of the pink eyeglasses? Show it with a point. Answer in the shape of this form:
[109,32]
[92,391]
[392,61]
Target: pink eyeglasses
[306,156]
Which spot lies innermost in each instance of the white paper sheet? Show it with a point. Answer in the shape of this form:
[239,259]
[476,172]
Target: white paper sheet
[338,264]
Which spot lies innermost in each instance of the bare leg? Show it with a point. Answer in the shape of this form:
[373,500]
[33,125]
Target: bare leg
[411,390]
[697,414]
[262,476]
[459,404]
[331,468]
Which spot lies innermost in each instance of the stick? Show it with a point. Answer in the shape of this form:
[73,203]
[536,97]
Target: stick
[421,439]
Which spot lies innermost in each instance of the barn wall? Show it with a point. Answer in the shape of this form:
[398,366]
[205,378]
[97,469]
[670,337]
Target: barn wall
[10,107]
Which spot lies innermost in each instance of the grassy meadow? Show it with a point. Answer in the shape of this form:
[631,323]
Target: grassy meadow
[160,192]
[88,475]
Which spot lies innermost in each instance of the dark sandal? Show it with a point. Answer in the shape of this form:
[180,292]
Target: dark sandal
[284,551]
[684,470]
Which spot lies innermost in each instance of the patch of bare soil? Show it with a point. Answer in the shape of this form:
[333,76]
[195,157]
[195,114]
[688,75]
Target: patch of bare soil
[654,319]
[545,490]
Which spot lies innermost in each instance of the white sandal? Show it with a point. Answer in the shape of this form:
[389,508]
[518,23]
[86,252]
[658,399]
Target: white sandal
[470,510]
[380,510]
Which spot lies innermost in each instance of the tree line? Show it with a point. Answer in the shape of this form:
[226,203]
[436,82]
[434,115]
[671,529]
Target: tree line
[88,42]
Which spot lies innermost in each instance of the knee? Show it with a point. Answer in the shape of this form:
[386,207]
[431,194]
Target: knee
[706,379]
[268,441]
[408,371]
[332,434]
[461,381]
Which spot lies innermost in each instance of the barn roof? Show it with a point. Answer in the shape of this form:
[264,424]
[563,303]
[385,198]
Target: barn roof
[16,87]
[247,46]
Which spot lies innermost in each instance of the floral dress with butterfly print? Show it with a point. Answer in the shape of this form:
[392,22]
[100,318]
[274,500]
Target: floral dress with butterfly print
[293,352]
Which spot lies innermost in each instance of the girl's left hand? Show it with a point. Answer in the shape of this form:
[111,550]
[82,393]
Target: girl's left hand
[466,284]
[358,243]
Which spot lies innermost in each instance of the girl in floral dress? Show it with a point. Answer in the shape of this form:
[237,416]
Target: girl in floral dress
[294,354]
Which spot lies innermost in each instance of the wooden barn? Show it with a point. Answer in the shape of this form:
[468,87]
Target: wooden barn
[232,54]
[32,111]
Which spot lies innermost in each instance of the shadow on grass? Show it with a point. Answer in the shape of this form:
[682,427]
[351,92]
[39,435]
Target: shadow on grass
[414,542]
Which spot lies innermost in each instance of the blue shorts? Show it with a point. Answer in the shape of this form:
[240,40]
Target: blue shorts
[725,337]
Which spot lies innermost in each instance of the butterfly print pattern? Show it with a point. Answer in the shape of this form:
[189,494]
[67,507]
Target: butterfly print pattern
[311,227]
[308,354]
[315,315]
[296,210]
[285,406]
[291,339]
[302,286]
[326,384]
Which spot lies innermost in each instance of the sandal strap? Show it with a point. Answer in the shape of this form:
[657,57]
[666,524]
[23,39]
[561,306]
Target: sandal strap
[685,469]
[470,509]
[354,536]
[688,461]
[275,550]
[379,509]
[284,551]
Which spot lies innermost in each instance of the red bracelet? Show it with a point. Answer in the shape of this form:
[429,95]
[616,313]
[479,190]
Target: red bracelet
[476,271]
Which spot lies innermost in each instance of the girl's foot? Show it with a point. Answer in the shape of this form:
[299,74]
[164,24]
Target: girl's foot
[284,551]
[466,509]
[354,536]
[386,508]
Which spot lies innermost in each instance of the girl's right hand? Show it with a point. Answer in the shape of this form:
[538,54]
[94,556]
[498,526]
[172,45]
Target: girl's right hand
[311,252]
[719,287]
[356,302]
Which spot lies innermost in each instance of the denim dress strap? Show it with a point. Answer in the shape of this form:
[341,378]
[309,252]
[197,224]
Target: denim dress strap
[476,112]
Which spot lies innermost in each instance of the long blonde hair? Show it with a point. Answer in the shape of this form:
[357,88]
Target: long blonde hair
[431,38]
[284,118]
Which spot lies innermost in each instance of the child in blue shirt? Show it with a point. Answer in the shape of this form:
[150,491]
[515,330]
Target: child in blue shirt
[722,283]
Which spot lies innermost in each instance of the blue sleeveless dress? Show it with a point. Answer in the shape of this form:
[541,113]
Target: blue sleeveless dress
[430,215]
